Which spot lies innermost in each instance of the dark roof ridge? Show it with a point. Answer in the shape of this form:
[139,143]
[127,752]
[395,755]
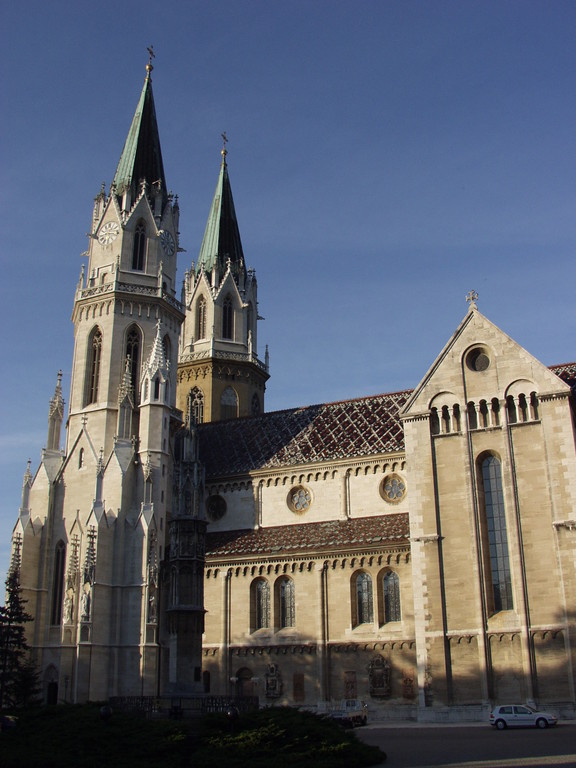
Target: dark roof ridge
[295,408]
[562,365]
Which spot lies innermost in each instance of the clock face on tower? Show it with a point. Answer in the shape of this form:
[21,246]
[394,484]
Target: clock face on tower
[108,233]
[167,243]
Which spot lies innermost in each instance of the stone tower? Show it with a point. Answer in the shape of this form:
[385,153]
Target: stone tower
[219,373]
[91,534]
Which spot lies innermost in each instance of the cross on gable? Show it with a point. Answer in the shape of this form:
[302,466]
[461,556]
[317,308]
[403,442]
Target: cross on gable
[472,298]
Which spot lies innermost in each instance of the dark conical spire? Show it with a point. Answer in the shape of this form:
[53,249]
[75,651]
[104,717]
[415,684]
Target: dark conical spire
[142,157]
[222,237]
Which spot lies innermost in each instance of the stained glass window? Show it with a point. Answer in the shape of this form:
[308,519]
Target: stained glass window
[391,589]
[495,519]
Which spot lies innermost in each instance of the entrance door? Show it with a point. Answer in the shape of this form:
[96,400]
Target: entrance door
[52,694]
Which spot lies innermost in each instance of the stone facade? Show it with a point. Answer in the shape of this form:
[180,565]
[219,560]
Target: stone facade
[416,550]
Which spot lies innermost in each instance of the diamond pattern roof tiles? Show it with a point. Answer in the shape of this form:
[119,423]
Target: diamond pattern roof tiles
[365,426]
[332,535]
[325,432]
[567,373]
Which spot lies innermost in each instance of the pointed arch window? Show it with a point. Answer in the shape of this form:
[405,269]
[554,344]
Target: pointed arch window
[227,319]
[196,405]
[495,537]
[229,404]
[133,344]
[286,603]
[94,357]
[58,584]
[167,347]
[173,585]
[139,248]
[260,607]
[363,605]
[391,597]
[201,318]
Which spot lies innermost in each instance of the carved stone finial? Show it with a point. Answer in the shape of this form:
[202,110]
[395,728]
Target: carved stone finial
[472,298]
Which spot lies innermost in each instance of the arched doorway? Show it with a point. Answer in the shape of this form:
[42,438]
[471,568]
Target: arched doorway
[51,685]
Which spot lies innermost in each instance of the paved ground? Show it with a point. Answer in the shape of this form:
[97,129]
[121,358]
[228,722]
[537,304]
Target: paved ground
[472,745]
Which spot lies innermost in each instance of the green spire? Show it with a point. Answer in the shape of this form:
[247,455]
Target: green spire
[222,237]
[142,157]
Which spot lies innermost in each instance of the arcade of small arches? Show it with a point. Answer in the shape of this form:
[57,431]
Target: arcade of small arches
[300,566]
[448,418]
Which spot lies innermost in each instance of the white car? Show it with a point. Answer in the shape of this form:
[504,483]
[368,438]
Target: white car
[520,715]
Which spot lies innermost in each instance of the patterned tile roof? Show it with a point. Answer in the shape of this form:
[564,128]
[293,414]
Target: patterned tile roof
[567,373]
[347,429]
[330,536]
[324,432]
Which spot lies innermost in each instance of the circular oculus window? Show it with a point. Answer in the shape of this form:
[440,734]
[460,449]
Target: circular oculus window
[478,359]
[215,507]
[393,488]
[299,499]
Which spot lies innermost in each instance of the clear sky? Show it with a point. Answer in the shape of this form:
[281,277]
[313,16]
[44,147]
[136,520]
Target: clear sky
[385,158]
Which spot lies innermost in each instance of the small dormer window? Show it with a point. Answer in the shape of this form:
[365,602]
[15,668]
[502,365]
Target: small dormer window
[139,249]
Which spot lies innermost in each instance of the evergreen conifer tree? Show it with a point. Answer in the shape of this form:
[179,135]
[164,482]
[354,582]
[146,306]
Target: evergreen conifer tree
[18,676]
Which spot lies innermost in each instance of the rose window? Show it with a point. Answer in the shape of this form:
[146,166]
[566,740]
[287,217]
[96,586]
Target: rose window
[393,488]
[299,499]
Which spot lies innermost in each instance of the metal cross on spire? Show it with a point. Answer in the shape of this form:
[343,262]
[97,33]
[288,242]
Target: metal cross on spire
[151,55]
[224,151]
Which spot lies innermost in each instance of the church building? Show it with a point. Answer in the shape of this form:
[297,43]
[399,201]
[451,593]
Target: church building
[415,550]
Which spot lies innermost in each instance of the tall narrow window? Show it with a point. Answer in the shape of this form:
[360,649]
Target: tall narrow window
[362,598]
[472,416]
[201,318]
[498,577]
[391,593]
[250,319]
[534,405]
[167,347]
[196,405]
[227,319]
[286,607]
[58,584]
[94,355]
[133,340]
[260,604]
[229,404]
[139,249]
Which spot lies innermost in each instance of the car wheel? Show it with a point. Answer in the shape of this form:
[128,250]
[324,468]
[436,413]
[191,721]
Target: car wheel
[500,724]
[541,723]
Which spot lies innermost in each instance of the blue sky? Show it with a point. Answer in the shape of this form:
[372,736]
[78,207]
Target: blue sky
[385,158]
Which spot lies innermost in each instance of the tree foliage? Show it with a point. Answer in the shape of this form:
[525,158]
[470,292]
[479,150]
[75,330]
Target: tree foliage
[18,675]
